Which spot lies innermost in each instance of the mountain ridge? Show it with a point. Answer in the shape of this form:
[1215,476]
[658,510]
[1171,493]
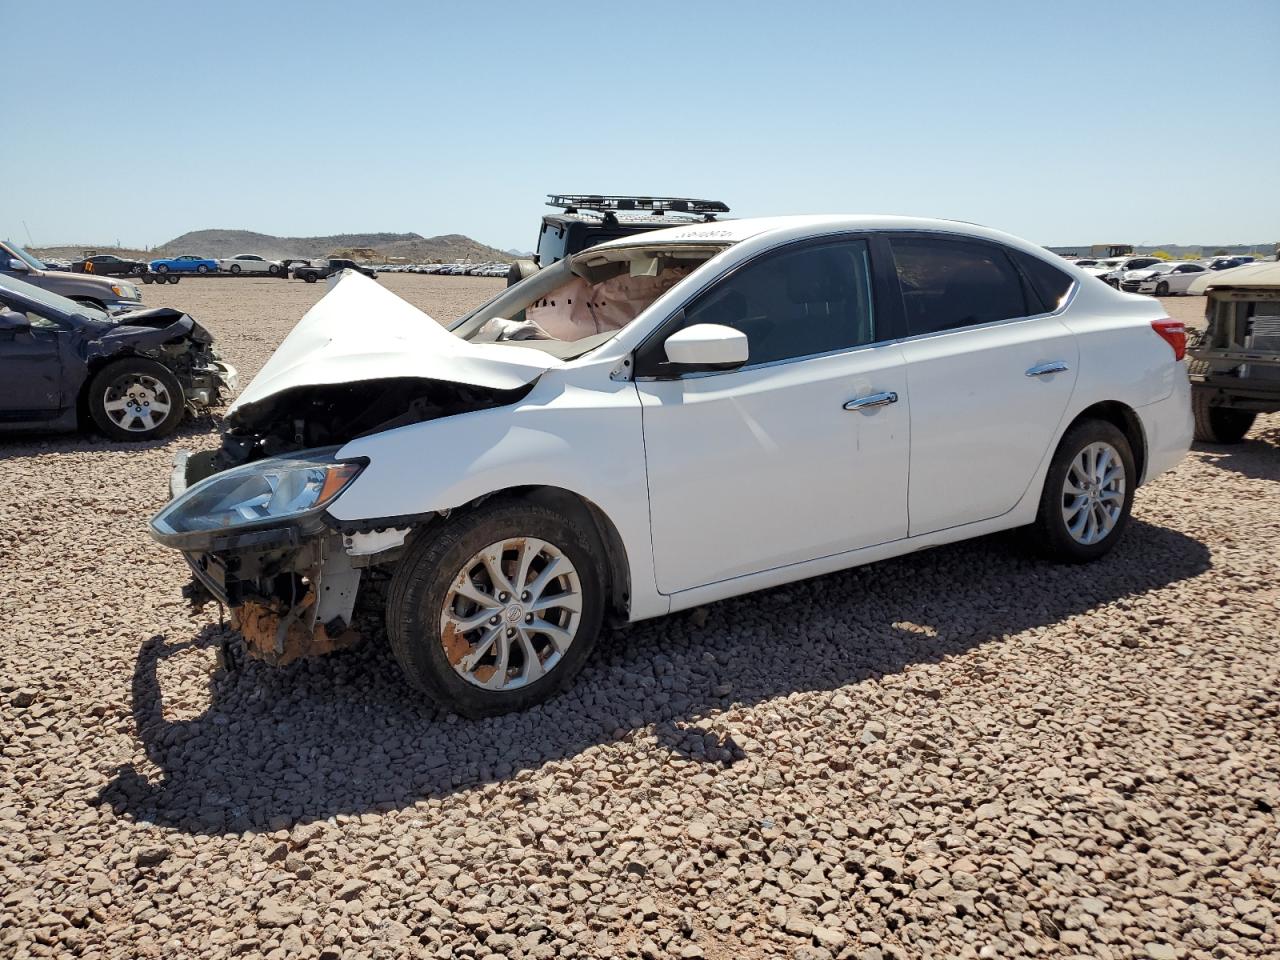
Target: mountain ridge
[377,246]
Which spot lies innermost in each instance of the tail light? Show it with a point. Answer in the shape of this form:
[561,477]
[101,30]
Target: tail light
[1174,333]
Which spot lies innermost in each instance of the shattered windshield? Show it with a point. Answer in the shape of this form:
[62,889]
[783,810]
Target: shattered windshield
[575,305]
[16,290]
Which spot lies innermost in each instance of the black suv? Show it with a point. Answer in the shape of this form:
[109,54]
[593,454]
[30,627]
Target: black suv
[587,219]
[319,269]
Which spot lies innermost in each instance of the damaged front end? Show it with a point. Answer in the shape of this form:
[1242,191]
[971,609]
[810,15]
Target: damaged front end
[176,340]
[251,517]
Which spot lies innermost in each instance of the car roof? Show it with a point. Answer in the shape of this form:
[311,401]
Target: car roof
[1257,274]
[734,231]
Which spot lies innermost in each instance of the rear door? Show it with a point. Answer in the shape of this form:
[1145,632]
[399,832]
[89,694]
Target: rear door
[990,369]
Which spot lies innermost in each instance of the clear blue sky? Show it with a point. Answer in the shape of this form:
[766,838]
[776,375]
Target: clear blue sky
[1062,122]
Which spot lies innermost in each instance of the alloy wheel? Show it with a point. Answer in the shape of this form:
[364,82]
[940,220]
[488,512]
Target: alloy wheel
[511,613]
[1093,493]
[136,402]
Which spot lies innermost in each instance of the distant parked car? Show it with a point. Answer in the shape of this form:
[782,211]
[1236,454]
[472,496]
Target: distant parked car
[133,374]
[319,269]
[248,263]
[1226,263]
[184,264]
[1168,278]
[108,265]
[1124,264]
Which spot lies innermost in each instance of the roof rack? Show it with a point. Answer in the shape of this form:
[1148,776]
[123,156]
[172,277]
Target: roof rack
[573,202]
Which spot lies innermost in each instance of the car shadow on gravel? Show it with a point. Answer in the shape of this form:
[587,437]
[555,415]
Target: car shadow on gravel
[1256,457]
[347,735]
[202,429]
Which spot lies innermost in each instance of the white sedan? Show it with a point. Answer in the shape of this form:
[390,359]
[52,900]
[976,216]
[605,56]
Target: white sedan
[667,420]
[248,263]
[1173,276]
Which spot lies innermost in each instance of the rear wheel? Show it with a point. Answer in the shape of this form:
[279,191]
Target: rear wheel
[1087,494]
[1218,424]
[163,268]
[136,399]
[202,269]
[309,277]
[499,610]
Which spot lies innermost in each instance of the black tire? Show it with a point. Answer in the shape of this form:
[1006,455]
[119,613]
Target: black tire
[1049,532]
[1215,424]
[235,268]
[109,380]
[163,268]
[273,270]
[421,586]
[138,270]
[1162,289]
[309,277]
[202,269]
[148,278]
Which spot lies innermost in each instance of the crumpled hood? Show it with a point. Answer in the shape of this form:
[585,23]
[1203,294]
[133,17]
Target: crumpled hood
[360,331]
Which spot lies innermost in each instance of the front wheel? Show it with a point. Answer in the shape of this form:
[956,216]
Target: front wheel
[235,268]
[138,270]
[309,277]
[1087,494]
[273,270]
[202,269]
[136,399]
[162,269]
[499,610]
[1162,289]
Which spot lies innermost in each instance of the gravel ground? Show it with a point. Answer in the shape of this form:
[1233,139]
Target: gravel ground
[962,753]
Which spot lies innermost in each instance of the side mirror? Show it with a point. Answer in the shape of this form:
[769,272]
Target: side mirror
[707,346]
[12,321]
[19,266]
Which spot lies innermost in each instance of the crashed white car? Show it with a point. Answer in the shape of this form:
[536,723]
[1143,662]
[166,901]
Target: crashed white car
[666,420]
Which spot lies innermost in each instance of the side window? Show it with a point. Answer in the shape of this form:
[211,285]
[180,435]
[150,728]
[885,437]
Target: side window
[1049,285]
[796,303]
[948,284]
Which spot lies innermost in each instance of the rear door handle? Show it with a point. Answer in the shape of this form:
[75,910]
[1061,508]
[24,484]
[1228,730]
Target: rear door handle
[1044,369]
[873,400]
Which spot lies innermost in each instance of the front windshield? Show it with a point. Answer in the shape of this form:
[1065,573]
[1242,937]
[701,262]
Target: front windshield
[579,303]
[44,299]
[30,260]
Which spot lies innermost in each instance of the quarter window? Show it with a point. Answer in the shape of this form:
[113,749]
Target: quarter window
[948,284]
[797,303]
[1049,285]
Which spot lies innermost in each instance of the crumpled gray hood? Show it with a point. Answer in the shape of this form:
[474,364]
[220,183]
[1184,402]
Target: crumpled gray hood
[360,331]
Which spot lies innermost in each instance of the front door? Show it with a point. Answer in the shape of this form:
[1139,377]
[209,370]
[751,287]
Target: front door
[801,453]
[31,388]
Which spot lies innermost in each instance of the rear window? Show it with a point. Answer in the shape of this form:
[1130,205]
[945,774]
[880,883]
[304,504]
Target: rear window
[950,283]
[1049,285]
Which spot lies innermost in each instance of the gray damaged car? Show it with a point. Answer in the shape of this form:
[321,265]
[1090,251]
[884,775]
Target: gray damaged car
[132,374]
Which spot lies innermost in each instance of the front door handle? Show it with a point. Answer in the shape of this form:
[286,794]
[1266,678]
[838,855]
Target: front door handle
[1044,369]
[873,400]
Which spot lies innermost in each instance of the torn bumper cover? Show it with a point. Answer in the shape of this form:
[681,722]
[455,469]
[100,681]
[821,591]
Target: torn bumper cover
[290,584]
[289,600]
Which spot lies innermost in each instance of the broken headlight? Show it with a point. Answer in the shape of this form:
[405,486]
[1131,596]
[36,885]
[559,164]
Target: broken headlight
[260,494]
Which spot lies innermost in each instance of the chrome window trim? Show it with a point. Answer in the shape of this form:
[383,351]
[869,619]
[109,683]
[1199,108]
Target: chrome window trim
[1062,307]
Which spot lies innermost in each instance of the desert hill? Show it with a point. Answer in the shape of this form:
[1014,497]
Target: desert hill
[412,247]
